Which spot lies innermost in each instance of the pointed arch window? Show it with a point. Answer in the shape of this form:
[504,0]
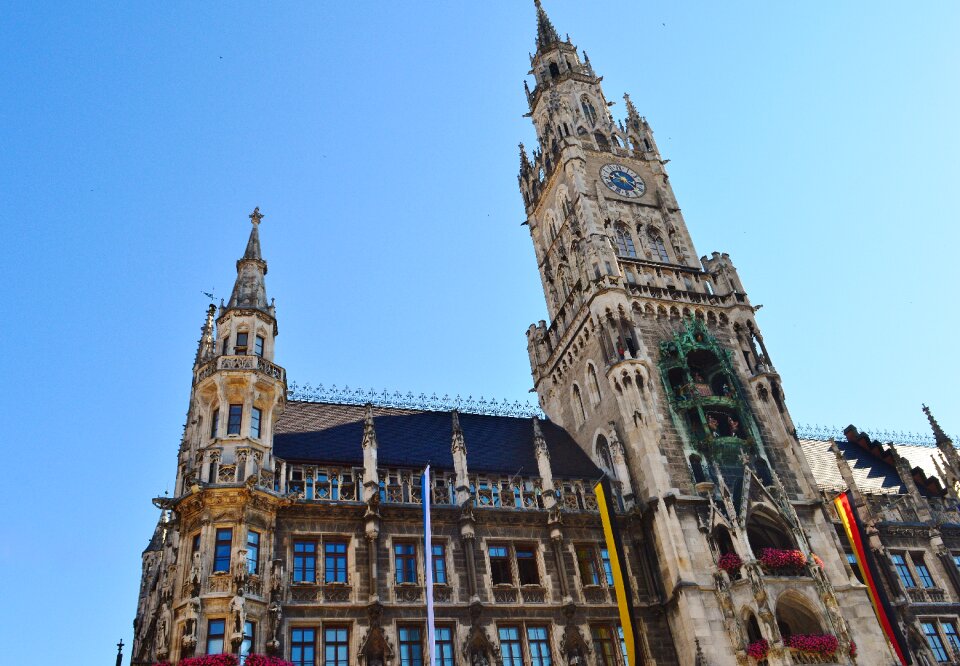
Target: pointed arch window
[588,109]
[603,455]
[593,384]
[658,249]
[625,246]
[579,413]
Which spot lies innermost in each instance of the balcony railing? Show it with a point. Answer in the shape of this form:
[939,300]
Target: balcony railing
[258,363]
[396,486]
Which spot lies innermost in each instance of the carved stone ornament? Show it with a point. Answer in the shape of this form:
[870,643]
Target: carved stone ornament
[238,615]
[163,631]
[375,648]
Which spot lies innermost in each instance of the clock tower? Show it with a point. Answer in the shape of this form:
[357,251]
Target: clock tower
[653,360]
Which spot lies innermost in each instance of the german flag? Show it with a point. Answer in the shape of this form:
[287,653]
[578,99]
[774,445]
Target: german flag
[621,582]
[868,568]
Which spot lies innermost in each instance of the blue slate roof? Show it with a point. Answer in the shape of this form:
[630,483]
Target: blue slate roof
[317,432]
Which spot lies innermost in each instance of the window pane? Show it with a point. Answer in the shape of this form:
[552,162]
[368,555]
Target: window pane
[258,349]
[444,644]
[246,647]
[950,631]
[905,576]
[411,650]
[335,646]
[335,562]
[302,647]
[304,561]
[255,422]
[253,551]
[607,569]
[510,650]
[933,640]
[233,423]
[539,642]
[215,636]
[214,420]
[527,567]
[922,571]
[439,564]
[222,550]
[603,642]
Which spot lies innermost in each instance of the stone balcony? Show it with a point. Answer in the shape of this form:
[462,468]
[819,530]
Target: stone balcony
[258,363]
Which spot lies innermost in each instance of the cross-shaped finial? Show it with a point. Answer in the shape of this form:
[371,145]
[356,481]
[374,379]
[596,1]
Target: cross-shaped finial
[255,216]
[120,646]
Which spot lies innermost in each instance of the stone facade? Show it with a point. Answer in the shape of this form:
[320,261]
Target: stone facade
[294,522]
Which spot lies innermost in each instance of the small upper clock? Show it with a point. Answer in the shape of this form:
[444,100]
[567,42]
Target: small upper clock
[622,180]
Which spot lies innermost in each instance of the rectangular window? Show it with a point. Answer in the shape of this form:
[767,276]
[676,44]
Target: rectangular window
[253,552]
[246,647]
[538,640]
[304,561]
[527,566]
[500,572]
[255,422]
[922,571]
[214,422]
[336,646]
[335,562]
[587,566]
[302,647]
[950,632]
[902,570]
[241,347]
[411,647]
[443,639]
[439,564]
[603,643]
[852,561]
[233,422]
[933,640]
[258,346]
[623,644]
[405,560]
[607,569]
[510,648]
[215,636]
[222,549]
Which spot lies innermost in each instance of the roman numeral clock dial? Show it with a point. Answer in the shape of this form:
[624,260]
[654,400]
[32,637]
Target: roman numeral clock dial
[622,180]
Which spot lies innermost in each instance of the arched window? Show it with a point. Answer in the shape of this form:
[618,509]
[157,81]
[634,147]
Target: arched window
[657,247]
[601,140]
[589,112]
[624,240]
[615,140]
[581,132]
[765,530]
[593,384]
[578,412]
[603,455]
[554,70]
[794,615]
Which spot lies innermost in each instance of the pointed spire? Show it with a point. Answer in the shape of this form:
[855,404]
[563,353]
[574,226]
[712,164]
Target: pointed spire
[632,114]
[546,33]
[938,433]
[249,291]
[205,348]
[524,160]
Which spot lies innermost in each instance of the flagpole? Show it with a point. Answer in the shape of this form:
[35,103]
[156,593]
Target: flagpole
[428,565]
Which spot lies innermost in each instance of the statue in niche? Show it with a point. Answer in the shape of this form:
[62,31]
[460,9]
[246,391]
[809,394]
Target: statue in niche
[734,427]
[712,424]
[240,570]
[276,616]
[192,613]
[701,385]
[195,571]
[276,580]
[238,613]
[163,629]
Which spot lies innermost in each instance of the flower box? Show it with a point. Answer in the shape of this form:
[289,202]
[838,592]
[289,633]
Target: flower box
[730,562]
[775,559]
[211,660]
[823,645]
[758,649]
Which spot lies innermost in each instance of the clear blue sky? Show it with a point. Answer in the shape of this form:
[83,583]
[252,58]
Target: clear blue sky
[816,143]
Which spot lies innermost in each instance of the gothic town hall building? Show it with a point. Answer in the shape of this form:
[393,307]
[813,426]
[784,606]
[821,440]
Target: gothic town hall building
[296,525]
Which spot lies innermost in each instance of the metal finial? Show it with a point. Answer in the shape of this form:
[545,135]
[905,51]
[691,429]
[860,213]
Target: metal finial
[256,216]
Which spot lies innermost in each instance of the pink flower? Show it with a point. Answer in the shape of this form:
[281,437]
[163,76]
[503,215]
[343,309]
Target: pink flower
[264,660]
[776,559]
[821,644]
[211,660]
[758,649]
[730,562]
[853,649]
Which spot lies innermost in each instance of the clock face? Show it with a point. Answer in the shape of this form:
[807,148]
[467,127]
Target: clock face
[622,180]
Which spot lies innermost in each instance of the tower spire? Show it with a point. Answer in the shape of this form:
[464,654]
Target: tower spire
[938,434]
[205,346]
[249,291]
[546,33]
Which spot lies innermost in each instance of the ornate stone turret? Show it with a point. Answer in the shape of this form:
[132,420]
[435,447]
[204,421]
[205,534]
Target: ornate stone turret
[371,477]
[546,33]
[458,448]
[543,464]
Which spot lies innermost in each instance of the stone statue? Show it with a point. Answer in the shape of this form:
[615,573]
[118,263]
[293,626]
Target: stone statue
[479,658]
[195,569]
[163,629]
[238,613]
[192,613]
[276,579]
[240,571]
